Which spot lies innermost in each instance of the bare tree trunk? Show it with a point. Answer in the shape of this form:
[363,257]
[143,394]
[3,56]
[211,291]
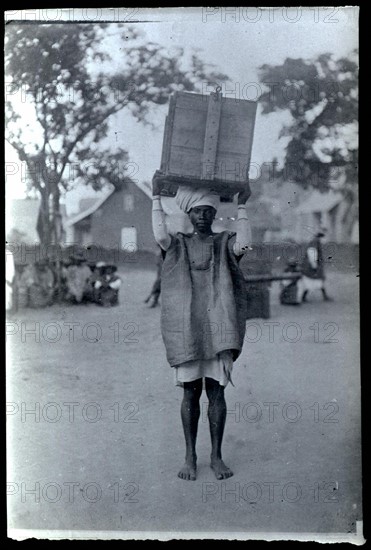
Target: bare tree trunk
[349,220]
[57,234]
[43,222]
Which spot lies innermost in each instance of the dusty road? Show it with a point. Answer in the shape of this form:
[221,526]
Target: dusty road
[103,445]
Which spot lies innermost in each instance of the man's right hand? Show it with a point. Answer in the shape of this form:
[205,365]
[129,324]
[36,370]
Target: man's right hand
[157,183]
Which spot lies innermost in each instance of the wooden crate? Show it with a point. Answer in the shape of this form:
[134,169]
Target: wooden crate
[207,141]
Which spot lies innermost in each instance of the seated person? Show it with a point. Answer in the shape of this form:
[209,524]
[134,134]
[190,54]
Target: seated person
[290,289]
[41,288]
[107,285]
[77,279]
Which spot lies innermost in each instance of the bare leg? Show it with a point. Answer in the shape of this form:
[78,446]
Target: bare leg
[326,297]
[190,413]
[156,296]
[304,297]
[217,414]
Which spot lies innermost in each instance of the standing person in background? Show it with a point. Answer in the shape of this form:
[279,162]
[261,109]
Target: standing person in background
[10,280]
[203,317]
[25,280]
[313,269]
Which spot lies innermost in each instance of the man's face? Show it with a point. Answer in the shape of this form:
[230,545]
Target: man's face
[202,217]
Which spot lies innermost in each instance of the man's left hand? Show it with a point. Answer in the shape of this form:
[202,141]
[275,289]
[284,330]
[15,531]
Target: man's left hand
[243,196]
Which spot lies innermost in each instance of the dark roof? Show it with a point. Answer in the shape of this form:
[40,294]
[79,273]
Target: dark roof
[98,203]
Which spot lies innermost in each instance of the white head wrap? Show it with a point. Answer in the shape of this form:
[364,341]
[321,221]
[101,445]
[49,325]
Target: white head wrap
[188,197]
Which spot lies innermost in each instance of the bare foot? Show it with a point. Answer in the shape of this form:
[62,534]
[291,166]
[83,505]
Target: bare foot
[221,471]
[188,471]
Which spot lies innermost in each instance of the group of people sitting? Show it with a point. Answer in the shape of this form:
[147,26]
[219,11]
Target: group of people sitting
[83,282]
[79,282]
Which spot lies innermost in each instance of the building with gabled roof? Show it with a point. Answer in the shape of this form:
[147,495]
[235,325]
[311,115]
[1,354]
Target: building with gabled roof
[121,220]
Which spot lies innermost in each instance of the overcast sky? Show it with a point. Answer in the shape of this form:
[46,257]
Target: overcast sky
[237,42]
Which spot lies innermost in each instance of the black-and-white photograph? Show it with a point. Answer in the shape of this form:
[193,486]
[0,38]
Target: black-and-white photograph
[182,274]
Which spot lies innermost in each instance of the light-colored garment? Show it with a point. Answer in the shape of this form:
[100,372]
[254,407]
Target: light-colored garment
[113,281]
[77,280]
[219,368]
[28,277]
[306,283]
[9,276]
[312,254]
[189,197]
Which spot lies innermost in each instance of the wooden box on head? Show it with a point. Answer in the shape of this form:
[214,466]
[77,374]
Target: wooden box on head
[207,142]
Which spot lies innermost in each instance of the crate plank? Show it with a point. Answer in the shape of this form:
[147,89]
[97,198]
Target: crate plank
[211,137]
[208,139]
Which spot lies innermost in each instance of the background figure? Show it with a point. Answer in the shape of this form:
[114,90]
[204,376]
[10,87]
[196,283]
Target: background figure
[10,277]
[77,279]
[107,285]
[41,289]
[25,280]
[312,269]
[156,288]
[290,289]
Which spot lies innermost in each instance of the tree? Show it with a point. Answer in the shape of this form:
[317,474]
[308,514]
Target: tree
[58,72]
[322,98]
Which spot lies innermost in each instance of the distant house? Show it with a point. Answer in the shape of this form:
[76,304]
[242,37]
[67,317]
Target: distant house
[319,211]
[282,199]
[120,219]
[300,213]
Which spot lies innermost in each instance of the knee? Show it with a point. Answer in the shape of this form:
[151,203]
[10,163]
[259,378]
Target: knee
[214,390]
[192,391]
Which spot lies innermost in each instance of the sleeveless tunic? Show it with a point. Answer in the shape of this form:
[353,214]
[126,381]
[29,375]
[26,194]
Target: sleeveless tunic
[203,306]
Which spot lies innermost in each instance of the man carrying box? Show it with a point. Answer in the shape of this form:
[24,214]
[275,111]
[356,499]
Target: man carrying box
[203,313]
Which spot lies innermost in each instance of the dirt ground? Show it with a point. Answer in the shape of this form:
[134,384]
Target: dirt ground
[103,445]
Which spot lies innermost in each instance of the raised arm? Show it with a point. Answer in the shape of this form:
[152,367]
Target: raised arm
[243,237]
[159,227]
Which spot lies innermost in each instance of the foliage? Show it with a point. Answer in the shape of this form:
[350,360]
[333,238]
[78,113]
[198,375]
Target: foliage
[61,97]
[322,99]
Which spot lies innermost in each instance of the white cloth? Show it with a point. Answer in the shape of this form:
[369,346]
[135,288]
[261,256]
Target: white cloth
[9,276]
[312,255]
[311,284]
[159,227]
[218,368]
[243,235]
[115,284]
[188,197]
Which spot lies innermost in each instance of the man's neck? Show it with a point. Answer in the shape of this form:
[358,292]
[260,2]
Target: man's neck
[203,234]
